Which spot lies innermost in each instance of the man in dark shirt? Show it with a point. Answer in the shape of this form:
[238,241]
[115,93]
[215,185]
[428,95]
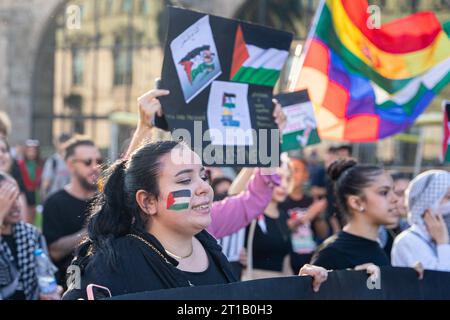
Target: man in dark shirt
[65,211]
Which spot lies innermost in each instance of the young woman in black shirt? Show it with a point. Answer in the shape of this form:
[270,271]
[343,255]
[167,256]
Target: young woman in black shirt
[365,194]
[271,243]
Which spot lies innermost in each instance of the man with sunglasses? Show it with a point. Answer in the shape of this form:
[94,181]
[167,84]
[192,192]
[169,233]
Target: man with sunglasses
[65,211]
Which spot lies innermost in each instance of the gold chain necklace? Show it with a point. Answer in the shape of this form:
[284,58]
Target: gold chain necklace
[179,257]
[158,252]
[150,245]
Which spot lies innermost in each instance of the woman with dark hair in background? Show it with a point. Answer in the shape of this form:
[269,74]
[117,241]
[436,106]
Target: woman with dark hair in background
[220,186]
[268,240]
[365,194]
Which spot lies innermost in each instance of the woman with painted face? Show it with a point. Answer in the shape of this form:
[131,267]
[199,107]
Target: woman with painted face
[147,229]
[427,240]
[234,212]
[365,194]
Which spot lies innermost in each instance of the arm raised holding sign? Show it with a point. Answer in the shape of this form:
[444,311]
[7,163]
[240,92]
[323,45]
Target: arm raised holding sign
[234,212]
[149,106]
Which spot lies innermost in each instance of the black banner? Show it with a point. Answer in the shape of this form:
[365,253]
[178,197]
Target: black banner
[394,284]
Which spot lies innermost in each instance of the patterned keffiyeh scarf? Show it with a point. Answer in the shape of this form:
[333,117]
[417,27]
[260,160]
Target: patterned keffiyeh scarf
[27,239]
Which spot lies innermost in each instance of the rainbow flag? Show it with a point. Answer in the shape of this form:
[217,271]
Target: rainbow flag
[366,83]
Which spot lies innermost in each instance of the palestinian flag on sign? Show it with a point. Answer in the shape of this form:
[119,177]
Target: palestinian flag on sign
[301,126]
[446,140]
[197,61]
[257,59]
[179,200]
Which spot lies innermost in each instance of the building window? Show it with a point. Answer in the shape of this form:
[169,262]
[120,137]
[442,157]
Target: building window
[123,62]
[77,66]
[74,104]
[126,5]
[143,7]
[82,12]
[109,6]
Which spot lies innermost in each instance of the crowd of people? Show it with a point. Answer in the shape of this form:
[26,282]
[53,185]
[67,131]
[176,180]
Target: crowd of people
[155,223]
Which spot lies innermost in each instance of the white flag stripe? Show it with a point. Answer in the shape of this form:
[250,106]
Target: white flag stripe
[182,200]
[265,58]
[428,79]
[435,75]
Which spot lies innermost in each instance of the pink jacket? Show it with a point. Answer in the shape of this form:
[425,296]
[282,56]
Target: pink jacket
[235,212]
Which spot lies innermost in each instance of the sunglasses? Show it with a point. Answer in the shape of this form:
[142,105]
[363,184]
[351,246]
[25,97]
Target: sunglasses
[319,196]
[88,162]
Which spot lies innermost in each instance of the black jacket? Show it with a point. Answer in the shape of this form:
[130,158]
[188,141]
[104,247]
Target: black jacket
[139,268]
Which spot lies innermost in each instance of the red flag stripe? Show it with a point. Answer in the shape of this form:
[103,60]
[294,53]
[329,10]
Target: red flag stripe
[170,200]
[240,53]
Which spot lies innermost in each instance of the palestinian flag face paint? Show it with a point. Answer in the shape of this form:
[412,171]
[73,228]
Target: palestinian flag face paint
[179,200]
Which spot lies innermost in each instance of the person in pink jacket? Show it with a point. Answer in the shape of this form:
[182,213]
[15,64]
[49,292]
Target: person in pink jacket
[235,212]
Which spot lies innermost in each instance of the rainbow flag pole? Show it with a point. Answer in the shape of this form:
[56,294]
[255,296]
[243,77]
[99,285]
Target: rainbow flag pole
[300,56]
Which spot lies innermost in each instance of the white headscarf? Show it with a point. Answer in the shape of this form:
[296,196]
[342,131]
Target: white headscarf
[426,192]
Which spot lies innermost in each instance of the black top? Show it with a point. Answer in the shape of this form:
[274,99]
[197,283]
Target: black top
[140,268]
[212,275]
[11,242]
[345,250]
[15,173]
[272,242]
[63,215]
[292,207]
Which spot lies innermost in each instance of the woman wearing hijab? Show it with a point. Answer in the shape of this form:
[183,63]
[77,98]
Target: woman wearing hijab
[427,240]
